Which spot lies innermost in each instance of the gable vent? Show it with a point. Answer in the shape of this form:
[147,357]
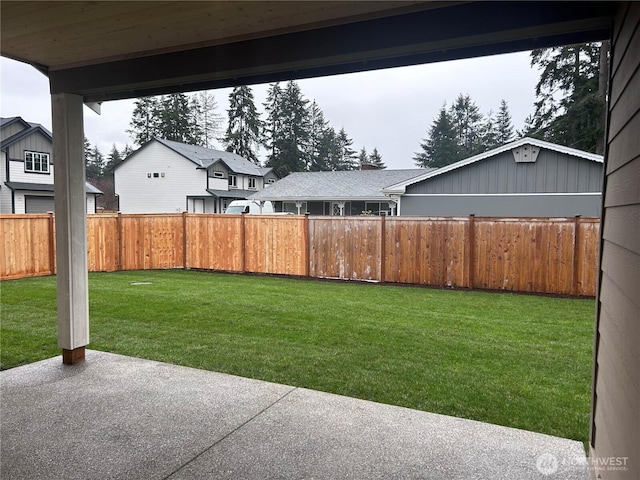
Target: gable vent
[525,154]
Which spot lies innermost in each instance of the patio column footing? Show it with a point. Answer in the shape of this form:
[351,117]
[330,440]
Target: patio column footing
[72,357]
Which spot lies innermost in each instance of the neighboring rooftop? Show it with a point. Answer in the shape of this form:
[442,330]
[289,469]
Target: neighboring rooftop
[347,185]
[205,157]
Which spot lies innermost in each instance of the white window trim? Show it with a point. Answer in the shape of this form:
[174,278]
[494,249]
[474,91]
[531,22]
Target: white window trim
[233,181]
[252,180]
[43,158]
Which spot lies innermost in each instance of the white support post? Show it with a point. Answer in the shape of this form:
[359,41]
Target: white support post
[71,231]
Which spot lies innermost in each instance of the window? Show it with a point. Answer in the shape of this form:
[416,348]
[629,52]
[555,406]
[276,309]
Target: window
[252,183]
[271,180]
[233,181]
[218,174]
[36,162]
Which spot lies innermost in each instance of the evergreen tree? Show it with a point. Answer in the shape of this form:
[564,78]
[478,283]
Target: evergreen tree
[376,159]
[317,153]
[348,157]
[489,135]
[504,126]
[441,147]
[289,142]
[208,121]
[329,149]
[363,158]
[467,124]
[243,131]
[94,162]
[145,120]
[272,130]
[570,105]
[113,159]
[177,119]
[127,151]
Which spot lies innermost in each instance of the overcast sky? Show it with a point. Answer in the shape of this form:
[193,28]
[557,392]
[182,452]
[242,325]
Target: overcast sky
[388,109]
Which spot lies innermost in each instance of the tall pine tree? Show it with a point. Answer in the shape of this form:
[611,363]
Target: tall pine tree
[376,159]
[243,130]
[317,160]
[504,126]
[144,120]
[467,123]
[288,143]
[207,120]
[570,105]
[348,156]
[177,120]
[441,147]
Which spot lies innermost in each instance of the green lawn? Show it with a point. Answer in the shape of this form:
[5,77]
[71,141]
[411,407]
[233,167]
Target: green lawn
[516,360]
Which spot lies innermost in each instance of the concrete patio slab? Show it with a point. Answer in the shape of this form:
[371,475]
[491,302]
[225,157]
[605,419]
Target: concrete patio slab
[127,418]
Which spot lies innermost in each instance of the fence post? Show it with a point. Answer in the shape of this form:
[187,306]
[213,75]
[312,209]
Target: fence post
[382,247]
[119,240]
[471,254]
[307,246]
[243,243]
[576,255]
[52,248]
[184,241]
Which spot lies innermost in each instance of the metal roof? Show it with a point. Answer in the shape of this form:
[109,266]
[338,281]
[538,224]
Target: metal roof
[46,187]
[343,185]
[399,187]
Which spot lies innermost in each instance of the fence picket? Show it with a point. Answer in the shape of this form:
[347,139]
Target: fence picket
[545,255]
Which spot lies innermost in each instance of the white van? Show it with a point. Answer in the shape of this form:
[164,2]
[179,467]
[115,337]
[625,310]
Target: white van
[249,206]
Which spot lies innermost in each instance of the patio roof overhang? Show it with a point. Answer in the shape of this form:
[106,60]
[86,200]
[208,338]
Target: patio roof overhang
[112,50]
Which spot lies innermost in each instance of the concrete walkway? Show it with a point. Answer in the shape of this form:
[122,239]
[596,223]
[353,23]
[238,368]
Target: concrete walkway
[126,418]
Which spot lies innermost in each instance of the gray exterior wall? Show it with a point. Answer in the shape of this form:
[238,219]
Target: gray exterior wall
[36,142]
[270,176]
[502,206]
[10,130]
[551,172]
[615,415]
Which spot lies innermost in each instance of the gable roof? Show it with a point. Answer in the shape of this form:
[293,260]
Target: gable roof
[399,188]
[205,157]
[342,185]
[29,129]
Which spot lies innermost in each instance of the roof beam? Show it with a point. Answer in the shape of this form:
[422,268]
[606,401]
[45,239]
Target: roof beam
[452,32]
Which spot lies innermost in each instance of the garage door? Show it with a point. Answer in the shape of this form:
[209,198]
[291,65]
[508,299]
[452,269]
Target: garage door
[38,204]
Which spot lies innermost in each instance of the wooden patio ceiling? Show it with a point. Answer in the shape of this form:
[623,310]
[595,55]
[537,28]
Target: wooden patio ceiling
[110,50]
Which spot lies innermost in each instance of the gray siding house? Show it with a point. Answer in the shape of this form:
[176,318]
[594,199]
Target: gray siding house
[525,178]
[26,169]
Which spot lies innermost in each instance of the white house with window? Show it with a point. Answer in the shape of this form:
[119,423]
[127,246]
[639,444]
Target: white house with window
[164,176]
[26,169]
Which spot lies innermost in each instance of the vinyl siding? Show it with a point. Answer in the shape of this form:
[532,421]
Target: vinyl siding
[505,205]
[615,410]
[17,174]
[10,130]
[5,192]
[551,172]
[140,194]
[35,142]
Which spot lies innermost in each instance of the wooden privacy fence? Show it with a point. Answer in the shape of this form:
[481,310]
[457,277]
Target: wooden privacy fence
[544,255]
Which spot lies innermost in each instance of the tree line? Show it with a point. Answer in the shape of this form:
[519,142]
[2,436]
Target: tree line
[294,132]
[569,110]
